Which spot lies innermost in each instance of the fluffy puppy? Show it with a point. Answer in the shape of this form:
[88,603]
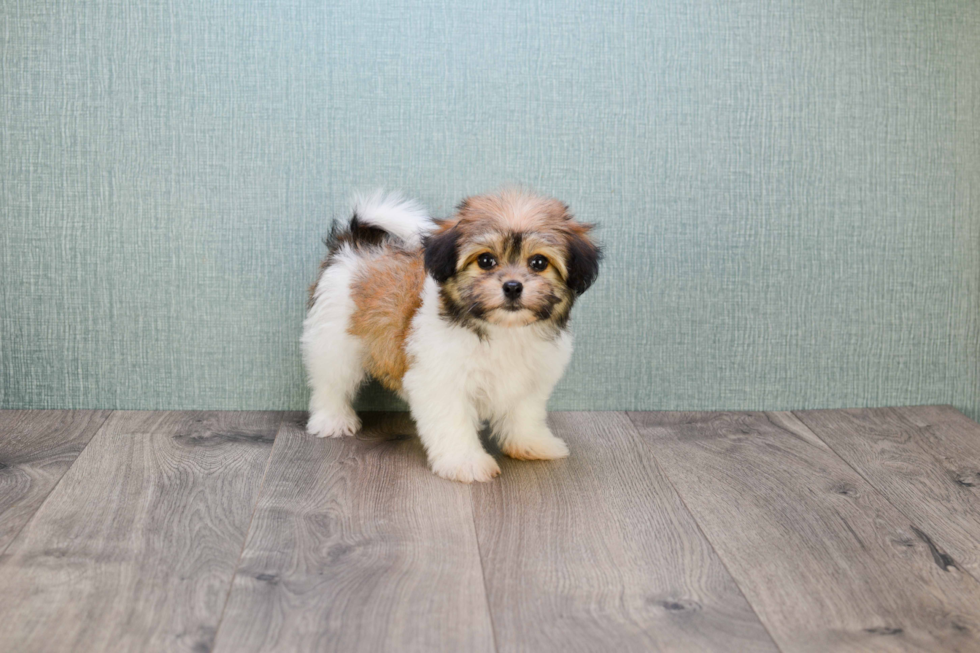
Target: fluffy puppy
[465,318]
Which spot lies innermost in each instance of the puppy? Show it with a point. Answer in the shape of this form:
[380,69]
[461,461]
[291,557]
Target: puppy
[465,318]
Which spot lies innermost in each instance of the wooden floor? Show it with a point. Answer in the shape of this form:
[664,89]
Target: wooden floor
[806,531]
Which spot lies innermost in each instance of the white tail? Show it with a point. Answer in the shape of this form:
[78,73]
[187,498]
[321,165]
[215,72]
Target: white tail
[403,218]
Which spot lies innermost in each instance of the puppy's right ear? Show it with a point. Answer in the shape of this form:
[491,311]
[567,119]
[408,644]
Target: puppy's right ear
[440,254]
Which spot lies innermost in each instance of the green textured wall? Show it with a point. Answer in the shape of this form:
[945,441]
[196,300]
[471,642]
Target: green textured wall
[789,190]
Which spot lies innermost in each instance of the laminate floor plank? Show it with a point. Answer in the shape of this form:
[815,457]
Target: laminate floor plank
[924,459]
[136,547]
[357,546]
[36,448]
[596,552]
[826,561]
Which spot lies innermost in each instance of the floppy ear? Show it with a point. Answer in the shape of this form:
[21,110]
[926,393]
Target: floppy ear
[440,254]
[583,260]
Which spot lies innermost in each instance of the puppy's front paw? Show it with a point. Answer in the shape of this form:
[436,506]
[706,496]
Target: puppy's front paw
[330,425]
[542,447]
[466,469]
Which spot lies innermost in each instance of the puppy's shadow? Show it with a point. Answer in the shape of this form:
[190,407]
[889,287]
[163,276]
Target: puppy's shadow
[488,442]
[392,427]
[378,427]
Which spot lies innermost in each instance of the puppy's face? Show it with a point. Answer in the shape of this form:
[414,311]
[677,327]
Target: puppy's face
[511,259]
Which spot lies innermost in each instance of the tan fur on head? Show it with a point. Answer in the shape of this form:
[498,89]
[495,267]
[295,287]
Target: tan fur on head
[511,228]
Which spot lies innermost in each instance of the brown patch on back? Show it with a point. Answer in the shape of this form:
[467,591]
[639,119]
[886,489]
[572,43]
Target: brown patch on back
[387,291]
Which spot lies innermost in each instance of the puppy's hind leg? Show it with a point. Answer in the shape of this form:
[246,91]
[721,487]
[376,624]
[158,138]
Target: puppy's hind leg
[334,358]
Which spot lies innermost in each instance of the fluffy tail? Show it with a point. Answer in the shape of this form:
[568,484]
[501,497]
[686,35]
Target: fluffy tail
[403,218]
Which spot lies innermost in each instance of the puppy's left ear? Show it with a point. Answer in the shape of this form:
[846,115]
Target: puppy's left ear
[583,259]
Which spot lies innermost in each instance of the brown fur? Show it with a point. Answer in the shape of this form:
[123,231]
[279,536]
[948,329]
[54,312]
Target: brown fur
[513,210]
[544,292]
[513,225]
[387,291]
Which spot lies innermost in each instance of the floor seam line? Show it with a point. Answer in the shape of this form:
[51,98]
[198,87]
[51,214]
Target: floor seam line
[248,531]
[697,524]
[912,522]
[483,570]
[57,483]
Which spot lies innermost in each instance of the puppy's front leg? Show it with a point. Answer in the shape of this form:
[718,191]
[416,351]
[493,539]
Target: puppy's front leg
[447,424]
[522,430]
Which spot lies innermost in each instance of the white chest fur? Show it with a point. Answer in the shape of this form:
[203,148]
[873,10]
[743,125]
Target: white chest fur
[493,372]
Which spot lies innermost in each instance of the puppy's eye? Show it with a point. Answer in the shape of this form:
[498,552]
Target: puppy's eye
[486,261]
[538,263]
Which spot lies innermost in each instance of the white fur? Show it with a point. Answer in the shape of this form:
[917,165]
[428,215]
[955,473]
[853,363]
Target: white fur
[333,358]
[403,218]
[455,379]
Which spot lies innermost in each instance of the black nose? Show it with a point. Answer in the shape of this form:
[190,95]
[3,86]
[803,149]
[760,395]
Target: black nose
[512,289]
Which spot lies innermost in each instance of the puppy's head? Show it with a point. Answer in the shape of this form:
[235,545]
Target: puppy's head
[511,258]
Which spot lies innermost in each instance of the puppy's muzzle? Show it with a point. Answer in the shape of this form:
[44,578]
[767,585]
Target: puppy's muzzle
[512,289]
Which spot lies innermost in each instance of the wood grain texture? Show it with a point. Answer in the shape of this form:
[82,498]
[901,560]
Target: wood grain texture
[136,547]
[357,546]
[824,559]
[36,448]
[925,460]
[597,553]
